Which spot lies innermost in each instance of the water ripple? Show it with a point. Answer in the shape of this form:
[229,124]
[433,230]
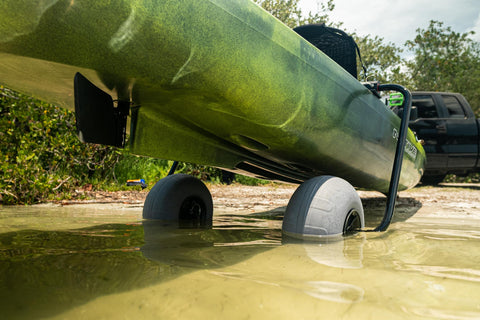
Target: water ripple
[446,272]
[443,314]
[335,291]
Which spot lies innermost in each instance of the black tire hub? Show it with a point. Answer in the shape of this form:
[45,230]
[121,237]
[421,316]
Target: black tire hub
[193,209]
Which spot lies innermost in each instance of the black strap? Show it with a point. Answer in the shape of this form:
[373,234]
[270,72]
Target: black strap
[343,33]
[361,62]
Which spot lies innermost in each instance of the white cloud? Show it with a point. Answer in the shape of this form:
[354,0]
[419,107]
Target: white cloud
[476,29]
[397,20]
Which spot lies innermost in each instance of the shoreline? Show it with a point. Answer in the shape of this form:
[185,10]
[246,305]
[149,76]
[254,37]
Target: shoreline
[445,200]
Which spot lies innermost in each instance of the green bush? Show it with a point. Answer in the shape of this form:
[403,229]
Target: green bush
[40,155]
[249,181]
[134,167]
[42,159]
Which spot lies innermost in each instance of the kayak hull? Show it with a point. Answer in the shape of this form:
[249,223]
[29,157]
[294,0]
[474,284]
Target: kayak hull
[213,82]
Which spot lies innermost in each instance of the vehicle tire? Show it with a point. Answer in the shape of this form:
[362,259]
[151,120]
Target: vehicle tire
[323,206]
[433,180]
[180,198]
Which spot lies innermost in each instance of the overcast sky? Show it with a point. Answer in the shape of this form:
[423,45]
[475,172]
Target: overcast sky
[397,20]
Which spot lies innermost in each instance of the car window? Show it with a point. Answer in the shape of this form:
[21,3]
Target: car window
[454,107]
[425,106]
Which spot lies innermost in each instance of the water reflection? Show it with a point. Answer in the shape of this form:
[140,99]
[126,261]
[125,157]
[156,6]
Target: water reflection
[43,273]
[335,291]
[341,253]
[46,272]
[243,265]
[204,248]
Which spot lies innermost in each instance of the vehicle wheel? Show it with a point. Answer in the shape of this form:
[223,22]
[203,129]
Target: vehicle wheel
[322,207]
[181,198]
[432,180]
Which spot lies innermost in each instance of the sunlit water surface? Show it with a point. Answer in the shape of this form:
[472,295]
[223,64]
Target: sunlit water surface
[96,262]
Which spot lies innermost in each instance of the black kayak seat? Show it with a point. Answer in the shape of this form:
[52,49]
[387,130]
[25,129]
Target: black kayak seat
[335,43]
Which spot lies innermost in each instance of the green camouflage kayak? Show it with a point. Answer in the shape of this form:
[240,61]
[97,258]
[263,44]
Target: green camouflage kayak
[213,82]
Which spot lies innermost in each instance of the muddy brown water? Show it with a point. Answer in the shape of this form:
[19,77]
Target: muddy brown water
[101,261]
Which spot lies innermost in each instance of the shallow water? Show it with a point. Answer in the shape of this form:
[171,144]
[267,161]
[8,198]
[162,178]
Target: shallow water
[103,262]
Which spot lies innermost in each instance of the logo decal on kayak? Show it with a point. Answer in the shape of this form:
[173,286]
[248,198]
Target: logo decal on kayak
[409,147]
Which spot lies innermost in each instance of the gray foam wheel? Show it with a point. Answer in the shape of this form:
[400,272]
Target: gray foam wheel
[180,198]
[321,207]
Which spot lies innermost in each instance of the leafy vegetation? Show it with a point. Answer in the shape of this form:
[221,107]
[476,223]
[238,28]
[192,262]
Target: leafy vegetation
[291,15]
[40,156]
[382,61]
[445,60]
